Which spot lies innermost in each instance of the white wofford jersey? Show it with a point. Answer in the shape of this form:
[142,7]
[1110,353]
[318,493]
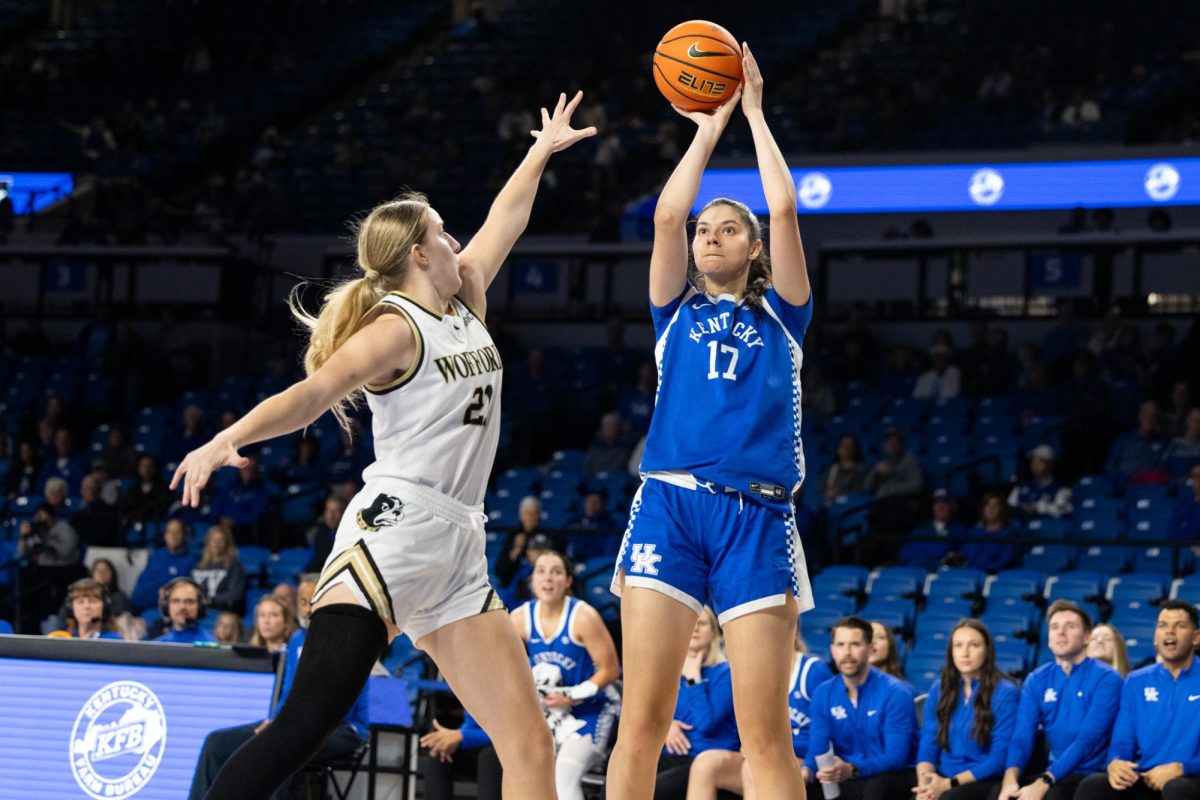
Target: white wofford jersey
[438,424]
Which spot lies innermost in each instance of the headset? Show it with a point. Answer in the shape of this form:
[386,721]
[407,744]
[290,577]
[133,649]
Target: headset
[90,585]
[165,605]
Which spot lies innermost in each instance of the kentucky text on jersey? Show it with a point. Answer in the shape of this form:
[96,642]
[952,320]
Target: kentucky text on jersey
[553,657]
[720,322]
[469,363]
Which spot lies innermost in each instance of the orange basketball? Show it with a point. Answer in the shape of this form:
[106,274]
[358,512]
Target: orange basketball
[698,65]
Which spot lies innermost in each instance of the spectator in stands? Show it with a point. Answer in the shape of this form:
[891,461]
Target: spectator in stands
[728,770]
[242,504]
[1073,700]
[884,655]
[896,482]
[193,434]
[149,497]
[872,750]
[1041,495]
[219,572]
[48,541]
[1184,450]
[165,564]
[274,623]
[930,554]
[609,451]
[846,475]
[305,467]
[54,494]
[228,629]
[899,373]
[65,463]
[119,455]
[464,753]
[320,536]
[105,574]
[637,402]
[703,718]
[515,562]
[1136,455]
[95,520]
[350,734]
[1180,405]
[348,461]
[110,487]
[1155,749]
[184,606]
[969,716]
[943,380]
[1185,514]
[1107,645]
[596,516]
[997,554]
[23,475]
[88,612]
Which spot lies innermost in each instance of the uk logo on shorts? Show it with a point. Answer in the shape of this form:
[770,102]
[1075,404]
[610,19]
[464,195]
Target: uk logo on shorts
[644,558]
[384,511]
[117,741]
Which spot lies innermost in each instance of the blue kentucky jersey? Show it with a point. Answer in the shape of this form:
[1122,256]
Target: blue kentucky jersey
[559,648]
[728,406]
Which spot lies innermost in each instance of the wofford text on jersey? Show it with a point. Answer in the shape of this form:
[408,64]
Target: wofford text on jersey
[469,363]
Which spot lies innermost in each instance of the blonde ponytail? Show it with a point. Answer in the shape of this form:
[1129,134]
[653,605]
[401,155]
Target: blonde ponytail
[383,240]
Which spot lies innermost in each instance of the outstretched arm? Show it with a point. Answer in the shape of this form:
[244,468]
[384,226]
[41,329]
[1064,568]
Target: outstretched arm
[669,257]
[481,258]
[789,273]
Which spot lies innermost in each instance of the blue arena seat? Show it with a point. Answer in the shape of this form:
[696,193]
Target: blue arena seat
[895,613]
[1048,528]
[1137,590]
[934,625]
[961,583]
[1006,625]
[902,581]
[1105,558]
[1187,589]
[1048,558]
[1164,560]
[922,669]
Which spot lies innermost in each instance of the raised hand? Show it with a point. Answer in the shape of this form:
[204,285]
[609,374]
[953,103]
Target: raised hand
[752,82]
[556,132]
[200,464]
[714,120]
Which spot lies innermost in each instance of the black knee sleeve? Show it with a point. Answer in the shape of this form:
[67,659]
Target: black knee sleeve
[342,645]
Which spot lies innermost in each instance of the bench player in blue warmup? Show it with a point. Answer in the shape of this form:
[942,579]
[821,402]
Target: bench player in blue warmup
[722,459]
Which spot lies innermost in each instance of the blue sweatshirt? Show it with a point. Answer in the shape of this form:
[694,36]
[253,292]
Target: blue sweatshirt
[965,753]
[189,635]
[876,736]
[1159,719]
[358,716]
[708,707]
[162,566]
[1076,711]
[808,673]
[474,737]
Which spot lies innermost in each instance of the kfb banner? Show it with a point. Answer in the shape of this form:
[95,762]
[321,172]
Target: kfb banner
[110,732]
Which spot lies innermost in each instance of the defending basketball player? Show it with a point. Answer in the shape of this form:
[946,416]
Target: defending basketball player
[409,554]
[722,459]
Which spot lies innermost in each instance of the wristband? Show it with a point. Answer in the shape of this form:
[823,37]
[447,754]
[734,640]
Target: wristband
[954,782]
[581,691]
[1047,779]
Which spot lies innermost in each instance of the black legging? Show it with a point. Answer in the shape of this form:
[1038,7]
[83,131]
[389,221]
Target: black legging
[1061,790]
[481,766]
[884,786]
[1097,787]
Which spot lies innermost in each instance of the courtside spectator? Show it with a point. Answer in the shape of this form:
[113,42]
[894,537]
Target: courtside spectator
[1073,700]
[89,615]
[1107,645]
[228,629]
[1155,749]
[184,603]
[969,716]
[165,564]
[219,572]
[464,753]
[274,622]
[104,572]
[1041,495]
[949,531]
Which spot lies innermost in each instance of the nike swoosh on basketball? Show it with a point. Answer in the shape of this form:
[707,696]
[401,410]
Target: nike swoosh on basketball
[1193,697]
[696,52]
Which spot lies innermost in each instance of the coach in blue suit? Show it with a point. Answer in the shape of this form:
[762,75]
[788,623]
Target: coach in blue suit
[1074,700]
[867,716]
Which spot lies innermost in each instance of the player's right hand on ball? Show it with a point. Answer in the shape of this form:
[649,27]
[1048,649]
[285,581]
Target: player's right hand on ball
[201,463]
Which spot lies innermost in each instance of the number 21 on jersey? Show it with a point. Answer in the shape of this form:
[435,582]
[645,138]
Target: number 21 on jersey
[716,356]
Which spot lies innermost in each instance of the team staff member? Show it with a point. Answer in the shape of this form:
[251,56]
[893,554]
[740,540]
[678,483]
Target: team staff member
[869,718]
[1074,700]
[184,605]
[1155,750]
[465,753]
[89,613]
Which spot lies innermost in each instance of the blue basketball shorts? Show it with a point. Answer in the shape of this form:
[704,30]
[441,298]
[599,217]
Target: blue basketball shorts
[693,544]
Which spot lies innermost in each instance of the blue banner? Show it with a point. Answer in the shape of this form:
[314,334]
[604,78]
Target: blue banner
[33,191]
[968,187]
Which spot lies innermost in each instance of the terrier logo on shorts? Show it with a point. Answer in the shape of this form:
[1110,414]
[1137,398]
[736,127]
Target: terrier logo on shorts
[117,741]
[383,512]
